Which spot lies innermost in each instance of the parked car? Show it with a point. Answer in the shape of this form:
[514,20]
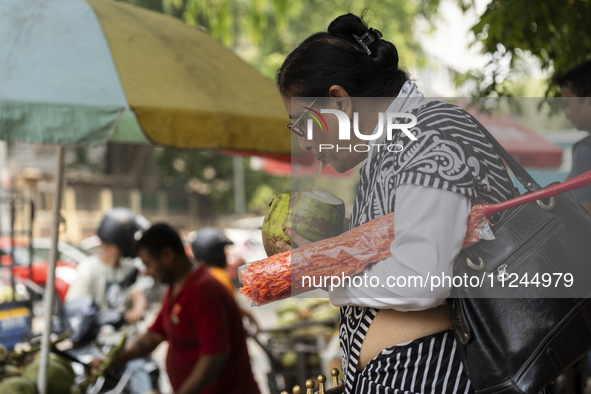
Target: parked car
[90,245]
[68,253]
[65,272]
[15,316]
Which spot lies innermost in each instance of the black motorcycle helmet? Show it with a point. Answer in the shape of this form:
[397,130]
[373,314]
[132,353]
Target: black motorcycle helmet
[209,245]
[120,226]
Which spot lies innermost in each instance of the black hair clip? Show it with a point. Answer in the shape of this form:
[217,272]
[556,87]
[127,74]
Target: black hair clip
[368,38]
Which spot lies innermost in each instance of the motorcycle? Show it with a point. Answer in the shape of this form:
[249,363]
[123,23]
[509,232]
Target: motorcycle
[94,333]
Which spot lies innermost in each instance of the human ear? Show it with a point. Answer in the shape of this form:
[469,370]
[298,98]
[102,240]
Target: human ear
[341,98]
[167,256]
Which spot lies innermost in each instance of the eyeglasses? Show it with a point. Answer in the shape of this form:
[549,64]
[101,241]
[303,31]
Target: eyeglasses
[294,127]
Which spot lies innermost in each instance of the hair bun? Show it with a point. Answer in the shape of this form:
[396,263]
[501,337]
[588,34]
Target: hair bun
[347,25]
[383,52]
[365,66]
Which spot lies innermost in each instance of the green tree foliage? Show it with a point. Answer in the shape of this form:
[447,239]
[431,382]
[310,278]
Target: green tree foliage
[555,32]
[154,5]
[263,32]
[210,174]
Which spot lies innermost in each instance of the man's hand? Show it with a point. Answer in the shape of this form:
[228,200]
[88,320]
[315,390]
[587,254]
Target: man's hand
[95,367]
[141,347]
[95,364]
[132,315]
[140,304]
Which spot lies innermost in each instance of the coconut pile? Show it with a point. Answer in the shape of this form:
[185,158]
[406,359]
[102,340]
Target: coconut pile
[19,371]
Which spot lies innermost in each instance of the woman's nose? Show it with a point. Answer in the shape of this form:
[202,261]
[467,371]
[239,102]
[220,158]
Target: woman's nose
[569,112]
[305,144]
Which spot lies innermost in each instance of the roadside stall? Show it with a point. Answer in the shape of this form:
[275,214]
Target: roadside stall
[303,343]
[15,305]
[81,73]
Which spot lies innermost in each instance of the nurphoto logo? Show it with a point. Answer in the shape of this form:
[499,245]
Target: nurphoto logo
[386,124]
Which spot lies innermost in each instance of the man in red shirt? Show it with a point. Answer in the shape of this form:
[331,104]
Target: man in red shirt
[199,319]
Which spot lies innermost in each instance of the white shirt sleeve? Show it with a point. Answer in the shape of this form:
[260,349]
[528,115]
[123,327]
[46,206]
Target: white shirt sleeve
[82,285]
[429,228]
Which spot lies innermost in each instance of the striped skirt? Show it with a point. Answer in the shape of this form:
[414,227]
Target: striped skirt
[428,365]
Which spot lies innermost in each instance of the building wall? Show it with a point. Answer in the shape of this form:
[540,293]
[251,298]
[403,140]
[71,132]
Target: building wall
[84,207]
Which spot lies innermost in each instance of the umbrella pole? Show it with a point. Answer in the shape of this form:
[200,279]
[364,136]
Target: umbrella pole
[50,285]
[239,189]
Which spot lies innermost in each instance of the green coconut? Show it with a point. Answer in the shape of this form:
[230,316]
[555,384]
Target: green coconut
[11,370]
[65,363]
[324,313]
[17,385]
[289,318]
[314,360]
[55,359]
[75,390]
[288,305]
[315,216]
[289,359]
[59,378]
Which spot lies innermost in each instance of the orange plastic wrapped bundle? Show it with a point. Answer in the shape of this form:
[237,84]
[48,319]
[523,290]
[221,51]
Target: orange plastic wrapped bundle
[348,254]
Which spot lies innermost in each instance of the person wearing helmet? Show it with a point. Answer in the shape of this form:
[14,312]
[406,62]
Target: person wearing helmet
[209,248]
[110,278]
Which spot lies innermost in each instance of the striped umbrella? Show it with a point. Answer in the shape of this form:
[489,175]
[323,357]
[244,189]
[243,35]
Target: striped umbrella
[73,70]
[83,72]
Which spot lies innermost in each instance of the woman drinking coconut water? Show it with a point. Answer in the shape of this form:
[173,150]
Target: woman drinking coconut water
[393,339]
